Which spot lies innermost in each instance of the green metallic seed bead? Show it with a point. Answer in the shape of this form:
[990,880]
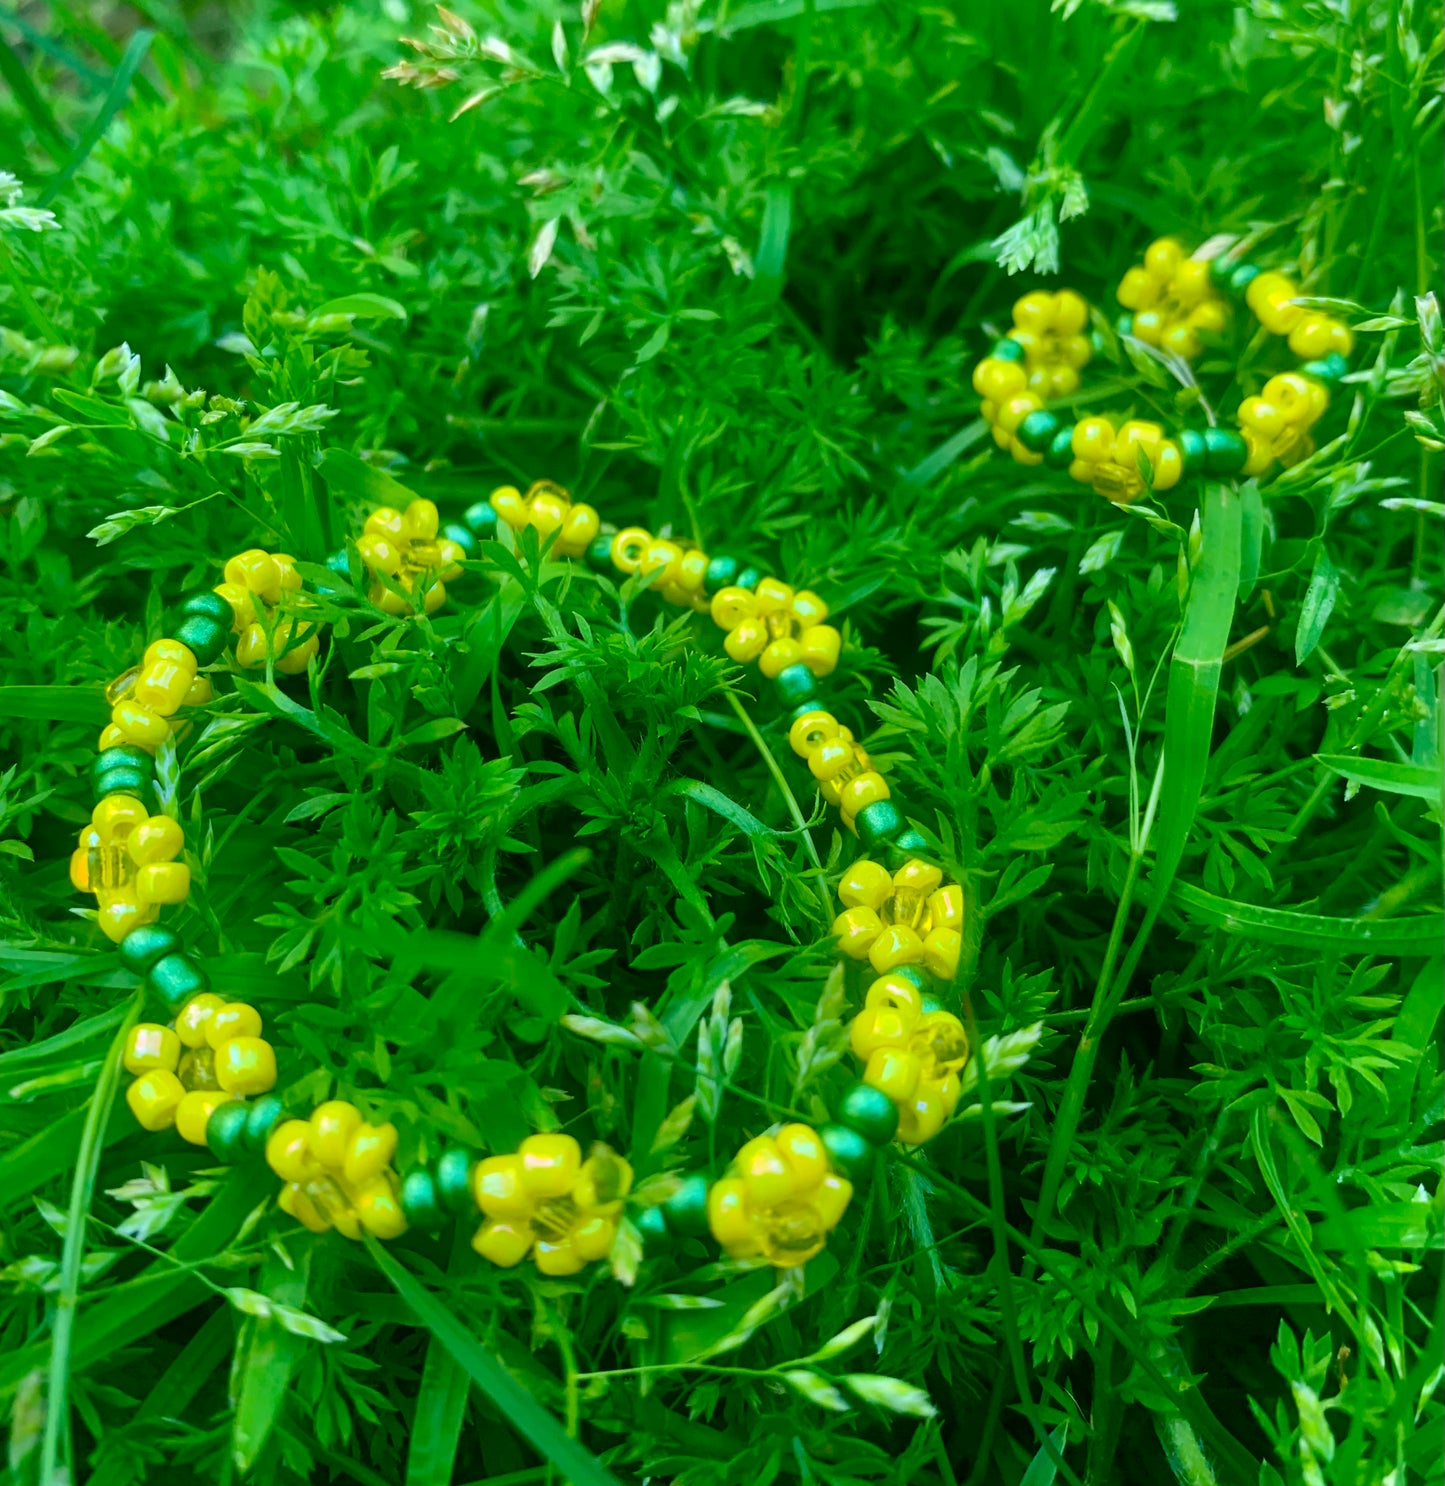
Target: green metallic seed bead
[931,1004]
[481,518]
[1224,451]
[209,606]
[652,1225]
[1329,369]
[881,821]
[122,756]
[204,638]
[226,1129]
[419,1199]
[1220,269]
[175,979]
[1060,453]
[797,684]
[1007,349]
[749,578]
[913,974]
[122,782]
[599,555]
[686,1209]
[1243,275]
[262,1117]
[911,842]
[1194,450]
[720,573]
[849,1153]
[1037,431]
[1124,325]
[454,531]
[142,947]
[339,562]
[454,1181]
[870,1112]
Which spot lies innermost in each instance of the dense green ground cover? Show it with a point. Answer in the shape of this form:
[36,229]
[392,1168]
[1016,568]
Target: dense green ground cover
[727,274]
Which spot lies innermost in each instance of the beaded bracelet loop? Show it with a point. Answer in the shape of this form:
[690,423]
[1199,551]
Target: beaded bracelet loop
[1174,304]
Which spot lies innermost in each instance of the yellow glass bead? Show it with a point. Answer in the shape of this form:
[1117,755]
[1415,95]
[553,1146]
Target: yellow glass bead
[294,1200]
[548,511]
[191,1023]
[255,571]
[508,502]
[1259,455]
[156,839]
[895,993]
[1034,311]
[1182,340]
[1012,411]
[197,1069]
[154,1098]
[662,557]
[766,1176]
[169,652]
[831,759]
[865,884]
[1168,465]
[1138,289]
[894,1071]
[140,725]
[1189,283]
[80,870]
[941,949]
[558,1259]
[328,1198]
[807,609]
[1163,257]
[747,641]
[286,566]
[1148,326]
[896,946]
[194,1112]
[1271,303]
[997,380]
[163,882]
[820,648]
[332,1126]
[628,547]
[422,520]
[773,597]
[288,1151]
[1263,417]
[579,530]
[604,1180]
[811,731]
[369,1153]
[916,876]
[246,1066]
[234,1019]
[378,1208]
[727,1217]
[549,1164]
[880,1026]
[162,686]
[945,907]
[1070,313]
[1342,338]
[867,789]
[386,521]
[730,606]
[380,553]
[592,1240]
[294,661]
[498,1190]
[1064,381]
[119,915]
[922,1115]
[243,606]
[112,736]
[1093,439]
[504,1241]
[856,931]
[116,816]
[830,1200]
[778,656]
[804,1154]
[149,1046]
[1301,399]
[1209,317]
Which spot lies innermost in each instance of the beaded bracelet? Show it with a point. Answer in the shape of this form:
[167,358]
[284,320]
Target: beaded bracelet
[1175,306]
[210,1074]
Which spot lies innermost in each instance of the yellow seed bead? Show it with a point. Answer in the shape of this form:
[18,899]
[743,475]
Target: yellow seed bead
[255,571]
[140,725]
[778,657]
[808,609]
[1210,317]
[867,789]
[423,520]
[1064,381]
[996,380]
[923,1115]
[380,553]
[288,1151]
[941,949]
[1182,341]
[945,907]
[246,1066]
[243,606]
[293,1199]
[387,521]
[865,884]
[378,1208]
[1138,289]
[116,816]
[1015,409]
[747,641]
[169,652]
[831,760]
[773,596]
[198,693]
[294,661]
[1342,338]
[591,1240]
[1035,311]
[1190,283]
[549,1164]
[1093,439]
[112,736]
[804,1152]
[162,686]
[662,557]
[369,1153]
[821,646]
[728,1217]
[154,1098]
[879,1026]
[156,839]
[1168,466]
[1262,417]
[234,1019]
[194,1112]
[917,876]
[1258,453]
[151,1046]
[508,502]
[557,1259]
[498,1190]
[191,1023]
[505,1242]
[332,1126]
[896,946]
[119,915]
[1163,257]
[893,1071]
[579,531]
[730,606]
[766,1177]
[163,882]
[286,566]
[811,731]
[856,931]
[895,993]
[628,547]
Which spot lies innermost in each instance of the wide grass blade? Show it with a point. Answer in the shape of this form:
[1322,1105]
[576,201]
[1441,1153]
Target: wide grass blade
[1382,936]
[441,1406]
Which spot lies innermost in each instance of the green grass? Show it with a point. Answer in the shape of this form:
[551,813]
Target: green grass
[732,282]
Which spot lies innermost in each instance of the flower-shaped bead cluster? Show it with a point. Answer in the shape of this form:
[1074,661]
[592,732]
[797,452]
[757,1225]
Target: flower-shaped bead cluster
[1109,459]
[678,573]
[549,508]
[1174,303]
[845,774]
[212,1054]
[780,1200]
[777,626]
[127,858]
[1276,424]
[337,1171]
[405,547]
[902,919]
[1312,334]
[256,582]
[145,698]
[1050,329]
[544,1200]
[912,1054]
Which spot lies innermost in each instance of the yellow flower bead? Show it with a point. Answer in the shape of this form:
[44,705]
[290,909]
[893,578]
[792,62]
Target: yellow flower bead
[893,1071]
[730,606]
[896,993]
[941,950]
[257,572]
[1269,295]
[498,1189]
[811,731]
[1015,409]
[856,931]
[246,1066]
[591,1240]
[503,1241]
[234,1019]
[288,1151]
[154,1098]
[579,531]
[727,1217]
[162,686]
[163,882]
[332,1126]
[150,1046]
[112,736]
[548,510]
[777,657]
[865,884]
[194,1112]
[295,1201]
[243,606]
[380,553]
[867,789]
[767,1178]
[369,1153]
[803,1151]
[747,641]
[996,380]
[628,547]
[896,946]
[191,1023]
[821,646]
[155,839]
[1093,439]
[880,1026]
[922,1115]
[549,1164]
[139,725]
[557,1259]
[378,1208]
[773,597]
[122,914]
[1138,289]
[1163,257]
[833,759]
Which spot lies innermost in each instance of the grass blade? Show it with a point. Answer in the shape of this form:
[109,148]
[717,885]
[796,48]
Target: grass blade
[441,1406]
[14,73]
[266,1357]
[1381,936]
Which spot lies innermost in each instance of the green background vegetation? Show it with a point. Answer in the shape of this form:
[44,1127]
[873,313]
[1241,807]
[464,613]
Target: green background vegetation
[729,279]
